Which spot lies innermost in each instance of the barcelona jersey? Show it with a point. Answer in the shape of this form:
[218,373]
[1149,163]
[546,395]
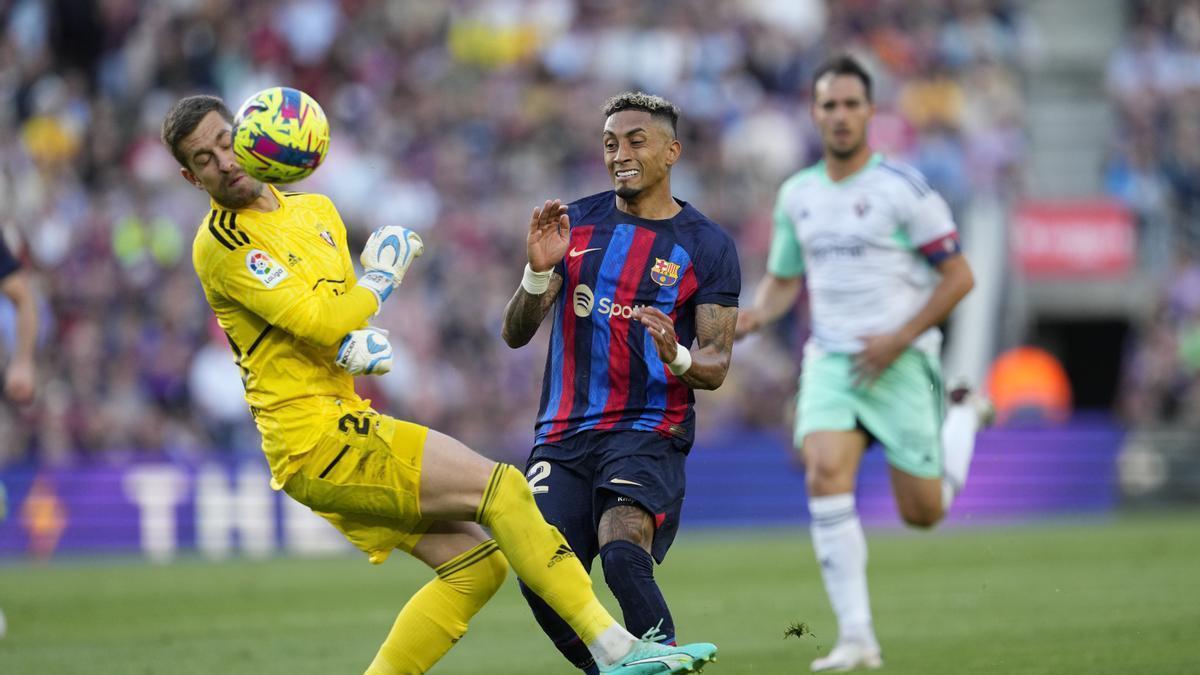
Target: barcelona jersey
[282,286]
[602,368]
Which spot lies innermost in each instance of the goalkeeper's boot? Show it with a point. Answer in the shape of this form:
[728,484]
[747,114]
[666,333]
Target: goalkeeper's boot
[849,655]
[647,657]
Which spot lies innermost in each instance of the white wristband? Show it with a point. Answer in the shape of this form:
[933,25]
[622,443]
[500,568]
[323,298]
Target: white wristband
[683,361]
[535,283]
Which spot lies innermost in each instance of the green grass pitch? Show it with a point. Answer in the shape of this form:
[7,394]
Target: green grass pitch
[1116,596]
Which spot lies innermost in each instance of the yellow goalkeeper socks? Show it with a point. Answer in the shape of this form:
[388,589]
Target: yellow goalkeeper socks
[436,616]
[539,554]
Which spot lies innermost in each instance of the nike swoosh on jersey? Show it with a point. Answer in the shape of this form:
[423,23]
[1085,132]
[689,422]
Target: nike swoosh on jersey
[575,253]
[623,481]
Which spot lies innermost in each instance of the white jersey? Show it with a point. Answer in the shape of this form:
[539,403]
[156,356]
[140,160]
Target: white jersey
[867,245]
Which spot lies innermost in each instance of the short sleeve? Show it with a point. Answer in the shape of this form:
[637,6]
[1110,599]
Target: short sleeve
[931,227]
[719,274]
[786,257]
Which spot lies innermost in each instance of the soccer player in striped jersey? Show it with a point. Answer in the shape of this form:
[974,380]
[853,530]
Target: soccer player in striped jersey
[276,270]
[630,277]
[880,252]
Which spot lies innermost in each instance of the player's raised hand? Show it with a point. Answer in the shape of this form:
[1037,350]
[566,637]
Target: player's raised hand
[549,235]
[391,249]
[386,257]
[661,328]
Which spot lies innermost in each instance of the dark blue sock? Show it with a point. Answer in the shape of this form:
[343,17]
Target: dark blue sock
[629,572]
[560,633]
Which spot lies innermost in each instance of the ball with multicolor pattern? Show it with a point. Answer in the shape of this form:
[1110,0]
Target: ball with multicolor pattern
[280,135]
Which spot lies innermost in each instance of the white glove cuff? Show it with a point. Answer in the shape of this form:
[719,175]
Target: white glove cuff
[535,283]
[380,283]
[683,361]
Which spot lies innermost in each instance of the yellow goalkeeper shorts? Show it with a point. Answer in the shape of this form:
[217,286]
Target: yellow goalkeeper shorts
[364,477]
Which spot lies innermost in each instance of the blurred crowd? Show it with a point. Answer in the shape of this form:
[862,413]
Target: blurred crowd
[1153,81]
[453,118]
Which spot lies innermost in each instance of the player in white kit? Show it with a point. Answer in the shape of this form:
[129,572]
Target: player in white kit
[880,252]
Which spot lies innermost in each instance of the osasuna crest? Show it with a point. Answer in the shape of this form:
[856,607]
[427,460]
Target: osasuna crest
[664,272]
[328,238]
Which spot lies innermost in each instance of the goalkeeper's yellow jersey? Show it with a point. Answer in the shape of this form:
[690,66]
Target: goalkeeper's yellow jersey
[283,289]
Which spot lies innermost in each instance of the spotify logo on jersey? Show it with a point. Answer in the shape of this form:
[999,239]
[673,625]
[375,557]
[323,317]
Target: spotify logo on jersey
[582,300]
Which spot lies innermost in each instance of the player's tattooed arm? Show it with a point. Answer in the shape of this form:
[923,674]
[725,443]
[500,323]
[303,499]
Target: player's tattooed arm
[524,313]
[714,346]
[714,342]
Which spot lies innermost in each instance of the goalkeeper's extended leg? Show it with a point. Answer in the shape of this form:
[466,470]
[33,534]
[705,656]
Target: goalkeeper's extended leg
[470,569]
[456,483]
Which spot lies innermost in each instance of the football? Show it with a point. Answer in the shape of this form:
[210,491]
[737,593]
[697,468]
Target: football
[280,135]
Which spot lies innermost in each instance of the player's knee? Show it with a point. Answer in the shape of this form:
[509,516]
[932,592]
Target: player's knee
[506,487]
[493,572]
[625,560]
[823,478]
[921,516]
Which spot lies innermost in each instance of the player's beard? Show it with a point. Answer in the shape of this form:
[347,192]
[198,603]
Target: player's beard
[847,153]
[628,193]
[235,198]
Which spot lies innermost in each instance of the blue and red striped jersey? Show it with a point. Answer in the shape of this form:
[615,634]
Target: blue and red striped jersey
[602,369]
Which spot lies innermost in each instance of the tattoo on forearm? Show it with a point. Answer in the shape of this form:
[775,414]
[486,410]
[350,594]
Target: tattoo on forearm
[525,312]
[714,334]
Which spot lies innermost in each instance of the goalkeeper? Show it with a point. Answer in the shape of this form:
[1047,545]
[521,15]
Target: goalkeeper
[276,270]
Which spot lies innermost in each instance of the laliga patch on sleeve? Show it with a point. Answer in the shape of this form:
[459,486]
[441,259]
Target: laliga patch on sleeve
[266,270]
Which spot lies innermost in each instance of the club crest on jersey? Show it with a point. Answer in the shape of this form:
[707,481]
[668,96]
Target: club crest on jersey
[328,238]
[664,272]
[862,207]
[266,270]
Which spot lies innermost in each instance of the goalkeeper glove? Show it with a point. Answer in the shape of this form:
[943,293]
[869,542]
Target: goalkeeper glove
[386,257]
[365,352]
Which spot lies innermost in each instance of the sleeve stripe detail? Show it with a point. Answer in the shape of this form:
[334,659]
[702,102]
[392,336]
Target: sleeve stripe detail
[237,232]
[258,339]
[941,248]
[915,182]
[216,234]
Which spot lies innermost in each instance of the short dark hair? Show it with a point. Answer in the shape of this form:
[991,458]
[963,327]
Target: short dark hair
[659,108]
[185,116]
[842,64]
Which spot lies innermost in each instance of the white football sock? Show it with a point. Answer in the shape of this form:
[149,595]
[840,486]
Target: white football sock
[841,549]
[958,444]
[612,645]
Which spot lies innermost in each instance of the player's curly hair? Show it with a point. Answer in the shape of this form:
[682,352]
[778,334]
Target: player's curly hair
[185,116]
[659,108]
